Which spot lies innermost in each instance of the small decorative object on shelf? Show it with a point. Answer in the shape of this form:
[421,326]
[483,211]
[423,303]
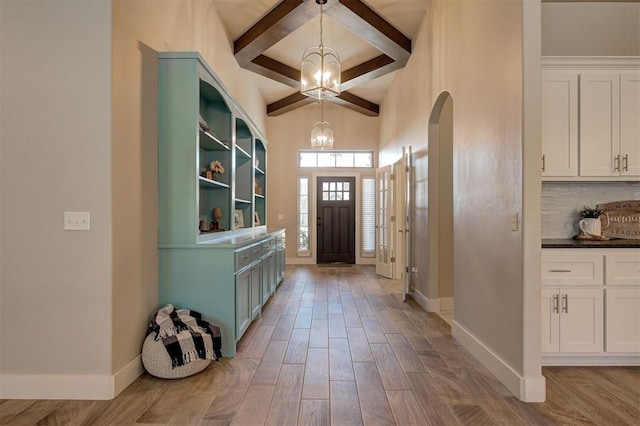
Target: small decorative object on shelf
[257,187]
[205,127]
[590,224]
[215,167]
[238,219]
[256,219]
[217,214]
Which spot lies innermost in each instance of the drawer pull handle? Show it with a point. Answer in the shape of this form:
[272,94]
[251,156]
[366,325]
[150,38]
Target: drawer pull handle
[555,304]
[565,303]
[559,270]
[625,163]
[245,257]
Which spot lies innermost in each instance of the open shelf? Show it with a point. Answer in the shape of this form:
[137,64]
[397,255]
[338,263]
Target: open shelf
[208,183]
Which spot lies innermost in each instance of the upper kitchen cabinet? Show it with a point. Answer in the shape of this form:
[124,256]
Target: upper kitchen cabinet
[610,124]
[559,123]
[590,126]
[630,123]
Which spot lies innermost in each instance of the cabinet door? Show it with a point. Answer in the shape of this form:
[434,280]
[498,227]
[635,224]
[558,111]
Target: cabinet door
[559,124]
[581,320]
[256,293]
[623,320]
[630,124]
[243,300]
[599,124]
[267,273]
[550,320]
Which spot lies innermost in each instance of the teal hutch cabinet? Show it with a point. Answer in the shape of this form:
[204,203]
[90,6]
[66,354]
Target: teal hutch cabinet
[215,252]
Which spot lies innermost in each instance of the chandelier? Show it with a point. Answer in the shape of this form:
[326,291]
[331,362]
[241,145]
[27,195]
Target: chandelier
[322,132]
[320,75]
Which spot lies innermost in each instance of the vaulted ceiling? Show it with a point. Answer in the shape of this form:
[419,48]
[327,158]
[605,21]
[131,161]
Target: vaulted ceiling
[373,40]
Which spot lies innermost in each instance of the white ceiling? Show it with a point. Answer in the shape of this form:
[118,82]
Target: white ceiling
[240,15]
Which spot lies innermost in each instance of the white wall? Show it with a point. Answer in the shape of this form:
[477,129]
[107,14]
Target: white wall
[78,132]
[56,137]
[291,132]
[591,29]
[473,50]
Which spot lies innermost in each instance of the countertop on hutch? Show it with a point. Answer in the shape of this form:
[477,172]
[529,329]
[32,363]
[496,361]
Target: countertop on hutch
[571,243]
[229,239]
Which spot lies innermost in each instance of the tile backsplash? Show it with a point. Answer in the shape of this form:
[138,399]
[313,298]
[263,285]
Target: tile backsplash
[562,202]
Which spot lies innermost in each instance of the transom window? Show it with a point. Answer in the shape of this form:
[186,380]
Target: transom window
[335,159]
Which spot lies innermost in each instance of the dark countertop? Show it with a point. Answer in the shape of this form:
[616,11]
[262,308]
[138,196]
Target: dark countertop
[570,243]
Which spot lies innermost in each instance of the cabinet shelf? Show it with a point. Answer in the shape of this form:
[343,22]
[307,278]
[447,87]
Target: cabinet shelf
[211,143]
[241,154]
[242,201]
[259,171]
[208,183]
[259,196]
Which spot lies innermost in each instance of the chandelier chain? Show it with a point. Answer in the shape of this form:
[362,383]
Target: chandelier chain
[321,45]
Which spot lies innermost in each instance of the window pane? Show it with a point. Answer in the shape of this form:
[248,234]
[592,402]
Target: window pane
[339,196]
[368,215]
[346,196]
[331,159]
[332,196]
[346,186]
[339,186]
[303,213]
[363,159]
[325,196]
[344,159]
[326,159]
[308,159]
[332,186]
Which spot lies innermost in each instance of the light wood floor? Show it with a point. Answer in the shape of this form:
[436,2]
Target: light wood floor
[337,346]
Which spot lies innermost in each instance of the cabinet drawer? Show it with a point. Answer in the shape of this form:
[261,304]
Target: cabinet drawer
[268,245]
[572,269]
[622,269]
[248,255]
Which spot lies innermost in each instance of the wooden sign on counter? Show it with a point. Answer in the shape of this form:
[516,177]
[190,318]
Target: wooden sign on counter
[621,219]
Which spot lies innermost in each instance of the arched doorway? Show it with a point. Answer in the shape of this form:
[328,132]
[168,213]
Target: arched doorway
[440,210]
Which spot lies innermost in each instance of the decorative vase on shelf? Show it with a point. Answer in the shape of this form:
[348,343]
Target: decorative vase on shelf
[590,227]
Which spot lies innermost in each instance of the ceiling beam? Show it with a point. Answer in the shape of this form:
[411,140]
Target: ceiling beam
[366,23]
[288,15]
[345,99]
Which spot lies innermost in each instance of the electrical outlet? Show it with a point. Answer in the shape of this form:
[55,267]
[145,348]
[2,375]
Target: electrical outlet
[77,221]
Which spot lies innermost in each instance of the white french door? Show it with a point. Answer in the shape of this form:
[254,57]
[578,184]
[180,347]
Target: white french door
[384,205]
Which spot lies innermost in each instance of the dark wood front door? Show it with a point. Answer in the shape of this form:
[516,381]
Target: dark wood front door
[336,219]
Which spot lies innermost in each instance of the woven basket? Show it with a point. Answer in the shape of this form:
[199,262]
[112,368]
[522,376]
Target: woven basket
[157,362]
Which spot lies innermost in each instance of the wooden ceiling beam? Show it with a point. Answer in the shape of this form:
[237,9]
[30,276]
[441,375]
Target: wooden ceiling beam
[345,99]
[286,17]
[367,24]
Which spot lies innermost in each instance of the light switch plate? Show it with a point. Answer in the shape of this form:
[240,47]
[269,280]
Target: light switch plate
[77,221]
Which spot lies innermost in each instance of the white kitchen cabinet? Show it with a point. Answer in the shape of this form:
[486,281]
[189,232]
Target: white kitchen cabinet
[609,124]
[623,319]
[559,123]
[630,124]
[573,320]
[599,124]
[590,306]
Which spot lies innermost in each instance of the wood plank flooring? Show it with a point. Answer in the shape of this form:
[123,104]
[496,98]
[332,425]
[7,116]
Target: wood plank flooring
[336,345]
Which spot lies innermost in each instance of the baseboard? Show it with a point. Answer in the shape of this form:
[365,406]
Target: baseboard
[526,388]
[300,261]
[627,360]
[443,304]
[446,304]
[127,374]
[80,387]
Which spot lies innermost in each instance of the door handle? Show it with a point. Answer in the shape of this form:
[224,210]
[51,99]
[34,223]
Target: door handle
[616,163]
[543,163]
[555,303]
[565,303]
[625,163]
